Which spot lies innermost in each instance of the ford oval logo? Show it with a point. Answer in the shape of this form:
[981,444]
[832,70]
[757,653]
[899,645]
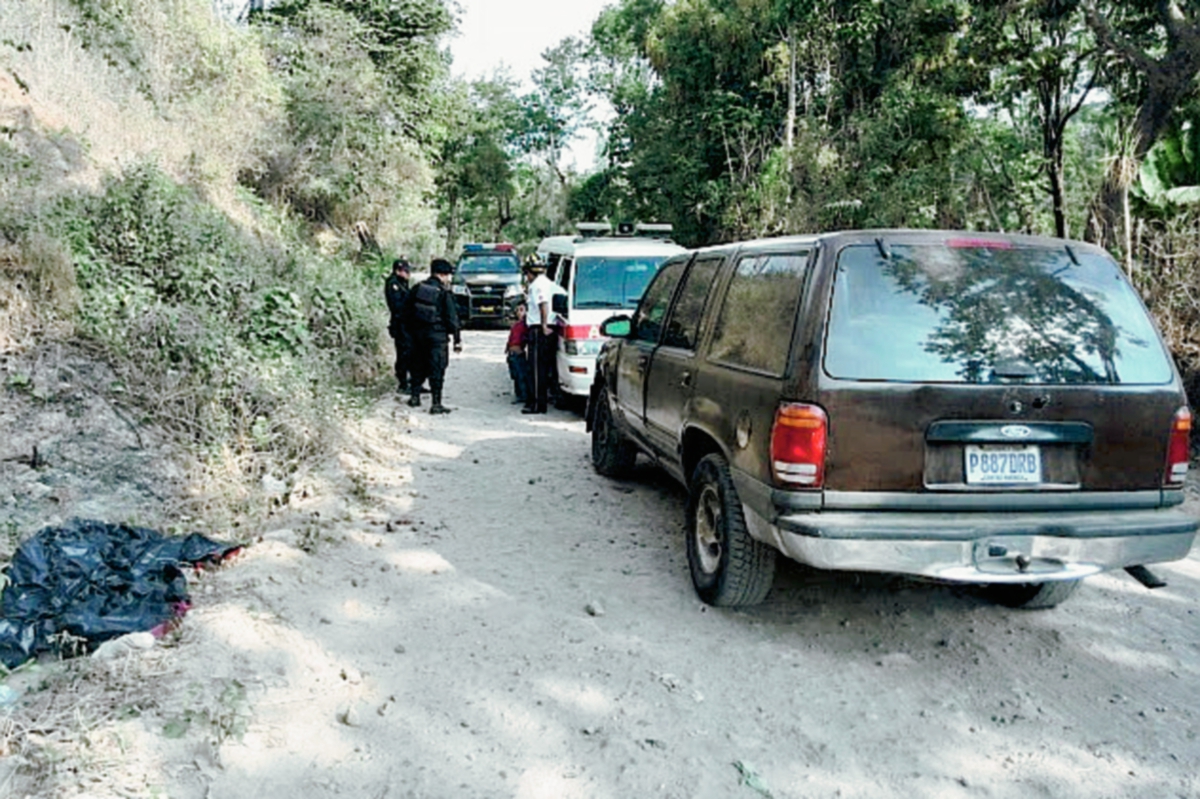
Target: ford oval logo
[1015,431]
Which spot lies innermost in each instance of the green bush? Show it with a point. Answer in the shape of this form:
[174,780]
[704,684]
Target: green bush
[238,345]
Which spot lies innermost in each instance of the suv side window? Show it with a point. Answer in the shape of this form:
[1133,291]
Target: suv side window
[652,310]
[755,327]
[683,328]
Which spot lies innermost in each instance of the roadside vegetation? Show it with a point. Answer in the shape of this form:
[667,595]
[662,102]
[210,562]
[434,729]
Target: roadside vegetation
[202,205]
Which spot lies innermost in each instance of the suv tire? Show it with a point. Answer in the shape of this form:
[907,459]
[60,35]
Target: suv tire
[612,455]
[729,568]
[1032,596]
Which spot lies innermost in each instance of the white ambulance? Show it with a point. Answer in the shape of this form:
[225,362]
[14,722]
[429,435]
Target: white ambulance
[602,273]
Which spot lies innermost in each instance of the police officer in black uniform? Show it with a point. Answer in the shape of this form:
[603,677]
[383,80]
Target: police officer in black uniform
[395,290]
[430,318]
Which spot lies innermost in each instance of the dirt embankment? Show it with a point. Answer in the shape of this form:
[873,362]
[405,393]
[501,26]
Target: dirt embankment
[70,447]
[460,607]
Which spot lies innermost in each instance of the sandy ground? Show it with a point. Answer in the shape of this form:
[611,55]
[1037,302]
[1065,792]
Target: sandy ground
[476,613]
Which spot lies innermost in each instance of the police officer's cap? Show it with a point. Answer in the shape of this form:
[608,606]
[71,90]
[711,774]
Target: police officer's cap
[534,263]
[401,265]
[440,266]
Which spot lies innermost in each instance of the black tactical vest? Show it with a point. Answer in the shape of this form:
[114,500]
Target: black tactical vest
[427,305]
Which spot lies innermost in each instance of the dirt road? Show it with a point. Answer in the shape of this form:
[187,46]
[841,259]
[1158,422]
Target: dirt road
[483,616]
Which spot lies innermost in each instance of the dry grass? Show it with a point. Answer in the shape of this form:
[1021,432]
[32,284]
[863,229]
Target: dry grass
[38,293]
[197,99]
[78,117]
[72,730]
[1169,279]
[73,89]
[18,315]
[212,97]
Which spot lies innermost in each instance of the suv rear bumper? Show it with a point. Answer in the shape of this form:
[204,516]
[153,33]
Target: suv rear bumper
[980,547]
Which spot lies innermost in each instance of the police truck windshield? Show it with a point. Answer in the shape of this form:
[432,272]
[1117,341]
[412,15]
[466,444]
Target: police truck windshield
[613,282]
[489,265]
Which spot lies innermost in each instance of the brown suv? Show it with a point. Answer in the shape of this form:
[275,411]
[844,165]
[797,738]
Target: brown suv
[977,408]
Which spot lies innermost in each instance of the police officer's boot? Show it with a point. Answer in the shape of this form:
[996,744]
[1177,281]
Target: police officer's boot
[415,399]
[437,406]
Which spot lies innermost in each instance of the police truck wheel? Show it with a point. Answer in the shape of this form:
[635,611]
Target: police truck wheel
[612,455]
[1031,596]
[729,568]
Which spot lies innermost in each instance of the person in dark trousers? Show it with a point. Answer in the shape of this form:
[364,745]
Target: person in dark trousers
[430,319]
[541,334]
[395,290]
[518,363]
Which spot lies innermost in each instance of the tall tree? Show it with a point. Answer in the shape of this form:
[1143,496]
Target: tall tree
[1155,45]
[1047,68]
[476,161]
[1154,50]
[557,107]
[619,73]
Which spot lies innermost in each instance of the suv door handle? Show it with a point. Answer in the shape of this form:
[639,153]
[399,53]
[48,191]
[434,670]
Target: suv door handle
[685,379]
[641,363]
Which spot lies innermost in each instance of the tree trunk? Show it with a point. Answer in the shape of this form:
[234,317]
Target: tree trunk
[452,223]
[503,216]
[1053,136]
[1169,81]
[1128,232]
[1056,194]
[790,133]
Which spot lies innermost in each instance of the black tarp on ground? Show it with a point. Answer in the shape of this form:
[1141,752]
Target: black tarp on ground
[95,581]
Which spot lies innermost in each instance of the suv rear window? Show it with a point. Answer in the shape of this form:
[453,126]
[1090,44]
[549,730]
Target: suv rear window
[978,313]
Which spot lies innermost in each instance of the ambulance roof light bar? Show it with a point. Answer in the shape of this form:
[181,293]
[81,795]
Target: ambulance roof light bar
[654,230]
[590,230]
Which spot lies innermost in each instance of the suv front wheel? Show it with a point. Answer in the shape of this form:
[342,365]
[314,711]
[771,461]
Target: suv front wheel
[729,568]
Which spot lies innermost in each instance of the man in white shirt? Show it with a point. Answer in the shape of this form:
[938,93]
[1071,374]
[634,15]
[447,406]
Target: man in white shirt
[539,316]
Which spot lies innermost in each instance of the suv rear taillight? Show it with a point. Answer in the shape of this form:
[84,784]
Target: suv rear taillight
[1179,447]
[798,445]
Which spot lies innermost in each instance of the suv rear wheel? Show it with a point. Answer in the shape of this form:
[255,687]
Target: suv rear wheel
[612,455]
[1032,596]
[729,568]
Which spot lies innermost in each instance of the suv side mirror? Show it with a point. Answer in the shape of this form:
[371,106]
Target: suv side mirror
[616,327]
[558,303]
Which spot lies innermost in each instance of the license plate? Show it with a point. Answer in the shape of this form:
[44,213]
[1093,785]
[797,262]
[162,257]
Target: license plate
[487,308]
[1003,464]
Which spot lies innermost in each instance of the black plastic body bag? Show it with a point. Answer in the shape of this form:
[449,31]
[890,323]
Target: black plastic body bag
[95,581]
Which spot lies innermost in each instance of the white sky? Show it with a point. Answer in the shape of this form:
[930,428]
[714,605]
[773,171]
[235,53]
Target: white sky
[514,33]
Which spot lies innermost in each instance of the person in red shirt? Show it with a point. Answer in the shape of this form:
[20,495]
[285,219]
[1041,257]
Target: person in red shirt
[518,361]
